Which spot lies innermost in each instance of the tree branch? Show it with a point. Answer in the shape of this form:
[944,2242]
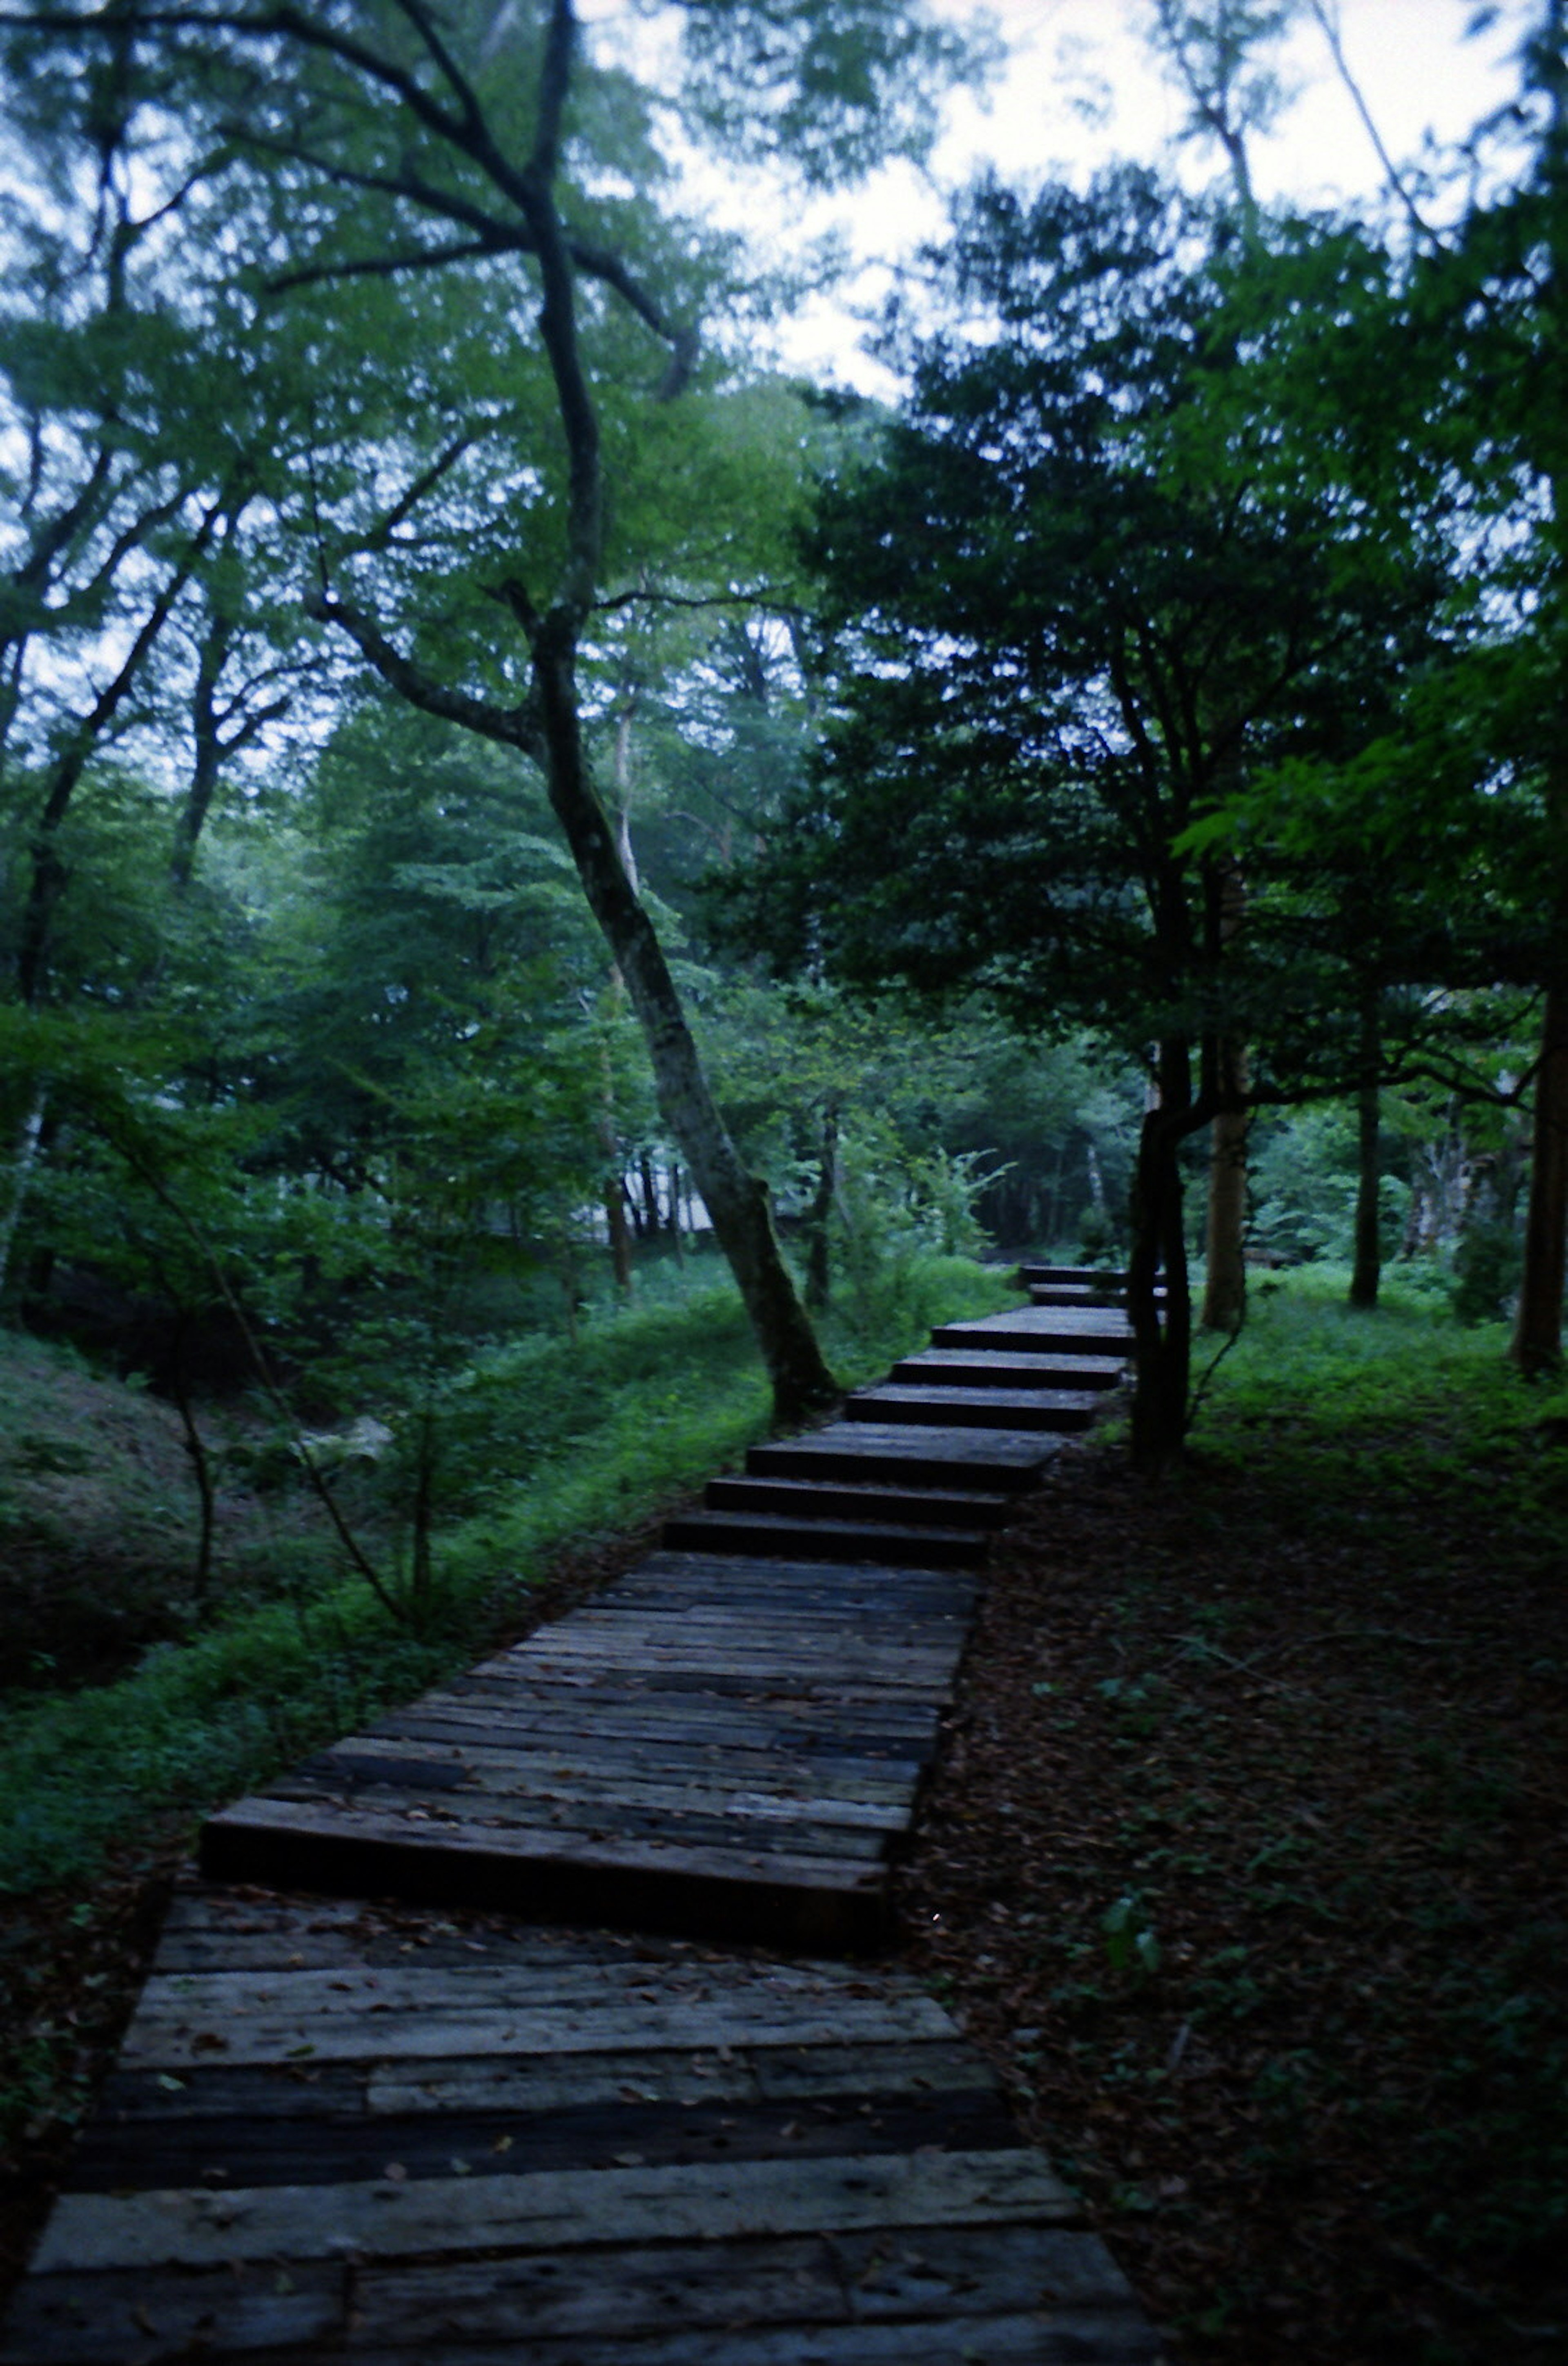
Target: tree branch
[508,727]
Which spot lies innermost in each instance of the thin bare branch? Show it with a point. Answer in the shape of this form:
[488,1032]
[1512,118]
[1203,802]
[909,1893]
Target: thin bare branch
[1328,22]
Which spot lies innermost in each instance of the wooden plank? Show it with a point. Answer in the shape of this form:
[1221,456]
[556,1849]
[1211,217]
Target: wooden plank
[496,1797]
[999,1459]
[939,2286]
[818,1903]
[385,2218]
[593,1759]
[945,2274]
[190,2038]
[1044,1408]
[243,2152]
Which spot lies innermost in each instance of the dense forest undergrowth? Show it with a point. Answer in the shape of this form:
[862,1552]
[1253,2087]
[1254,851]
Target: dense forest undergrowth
[1242,1860]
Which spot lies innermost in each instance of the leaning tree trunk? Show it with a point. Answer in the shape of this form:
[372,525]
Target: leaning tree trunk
[736,1201]
[549,725]
[1162,1338]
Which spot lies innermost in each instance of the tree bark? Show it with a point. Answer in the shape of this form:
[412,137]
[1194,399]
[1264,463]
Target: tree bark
[1366,1273]
[736,1201]
[818,1259]
[1162,1338]
[1537,1346]
[1224,1280]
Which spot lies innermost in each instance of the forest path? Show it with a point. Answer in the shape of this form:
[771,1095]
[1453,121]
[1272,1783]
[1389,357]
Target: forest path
[422,2131]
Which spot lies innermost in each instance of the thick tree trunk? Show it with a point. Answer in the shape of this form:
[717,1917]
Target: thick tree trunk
[1162,1338]
[1538,1332]
[1224,1249]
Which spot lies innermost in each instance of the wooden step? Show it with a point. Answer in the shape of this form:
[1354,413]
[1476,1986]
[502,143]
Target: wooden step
[1048,1409]
[486,1799]
[958,1507]
[827,1539]
[960,1455]
[1058,1331]
[1073,1368]
[1113,1278]
[942,1368]
[1069,1294]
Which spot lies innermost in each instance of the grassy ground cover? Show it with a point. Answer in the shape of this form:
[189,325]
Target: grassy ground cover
[1246,1860]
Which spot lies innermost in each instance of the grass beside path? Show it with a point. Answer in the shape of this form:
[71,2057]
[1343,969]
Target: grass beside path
[1247,1859]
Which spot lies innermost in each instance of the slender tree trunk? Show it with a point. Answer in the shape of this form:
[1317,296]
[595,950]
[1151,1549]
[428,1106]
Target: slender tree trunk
[28,1142]
[647,1207]
[617,1225]
[1225,1285]
[1225,1239]
[613,1194]
[1538,1332]
[1536,1346]
[1162,1336]
[200,1463]
[818,1258]
[1366,1271]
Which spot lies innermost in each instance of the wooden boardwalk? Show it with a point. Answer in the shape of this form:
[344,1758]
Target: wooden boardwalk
[422,2132]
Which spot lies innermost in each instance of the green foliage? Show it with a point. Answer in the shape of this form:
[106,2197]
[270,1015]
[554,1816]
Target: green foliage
[1487,1265]
[1301,1169]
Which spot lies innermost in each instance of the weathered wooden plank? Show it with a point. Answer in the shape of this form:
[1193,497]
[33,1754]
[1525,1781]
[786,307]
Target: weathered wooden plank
[710,1813]
[1000,1458]
[854,2073]
[939,2275]
[816,1903]
[800,2289]
[961,1506]
[242,2151]
[1065,2340]
[592,1756]
[140,2317]
[158,2042]
[1030,1409]
[384,2218]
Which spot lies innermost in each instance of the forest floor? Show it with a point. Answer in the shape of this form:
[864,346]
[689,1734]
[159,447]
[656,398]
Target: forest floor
[1246,1863]
[1247,1868]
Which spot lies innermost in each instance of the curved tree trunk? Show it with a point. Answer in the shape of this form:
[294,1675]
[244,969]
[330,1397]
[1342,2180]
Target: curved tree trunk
[549,725]
[736,1202]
